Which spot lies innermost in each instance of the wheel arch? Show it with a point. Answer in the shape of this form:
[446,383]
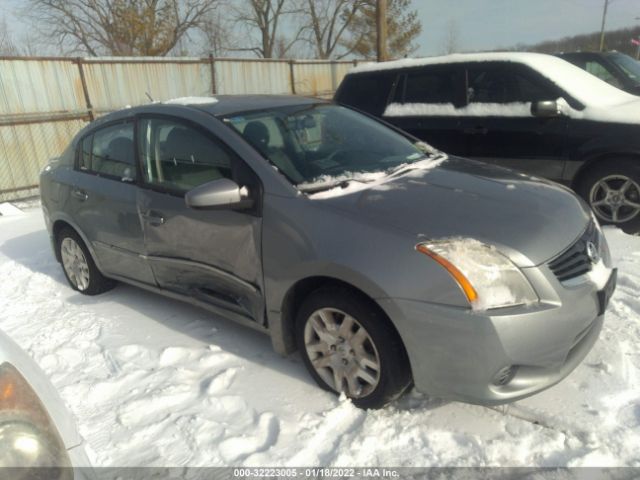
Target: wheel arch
[60,224]
[283,328]
[596,160]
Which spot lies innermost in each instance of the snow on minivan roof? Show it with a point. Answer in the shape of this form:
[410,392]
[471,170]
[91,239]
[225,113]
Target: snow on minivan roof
[581,85]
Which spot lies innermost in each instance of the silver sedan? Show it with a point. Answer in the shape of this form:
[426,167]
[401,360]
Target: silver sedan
[384,262]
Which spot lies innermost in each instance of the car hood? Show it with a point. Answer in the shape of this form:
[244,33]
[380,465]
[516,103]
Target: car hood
[528,219]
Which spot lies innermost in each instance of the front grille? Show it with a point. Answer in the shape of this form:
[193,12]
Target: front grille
[575,261]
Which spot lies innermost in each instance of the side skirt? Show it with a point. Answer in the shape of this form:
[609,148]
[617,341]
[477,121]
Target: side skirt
[222,312]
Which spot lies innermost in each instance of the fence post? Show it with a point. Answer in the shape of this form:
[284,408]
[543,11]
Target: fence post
[334,76]
[292,78]
[85,90]
[213,73]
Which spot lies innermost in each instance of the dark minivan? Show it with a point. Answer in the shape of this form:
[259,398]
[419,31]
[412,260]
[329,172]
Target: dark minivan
[531,112]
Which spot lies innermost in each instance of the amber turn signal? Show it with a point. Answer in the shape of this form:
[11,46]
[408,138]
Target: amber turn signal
[458,276]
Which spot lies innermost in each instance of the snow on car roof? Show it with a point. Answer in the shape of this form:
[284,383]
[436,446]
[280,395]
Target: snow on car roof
[581,85]
[192,101]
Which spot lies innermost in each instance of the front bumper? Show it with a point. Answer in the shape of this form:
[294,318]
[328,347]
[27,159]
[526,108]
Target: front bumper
[456,353]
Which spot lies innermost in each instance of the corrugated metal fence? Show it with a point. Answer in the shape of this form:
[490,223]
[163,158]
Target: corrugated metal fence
[45,101]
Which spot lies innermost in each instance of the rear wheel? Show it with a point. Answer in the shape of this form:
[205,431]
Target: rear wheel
[78,266]
[612,189]
[349,346]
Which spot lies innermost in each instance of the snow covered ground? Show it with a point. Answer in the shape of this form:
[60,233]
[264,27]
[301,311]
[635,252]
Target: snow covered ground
[153,381]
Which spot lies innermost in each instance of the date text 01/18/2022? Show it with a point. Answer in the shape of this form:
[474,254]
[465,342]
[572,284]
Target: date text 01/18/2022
[315,472]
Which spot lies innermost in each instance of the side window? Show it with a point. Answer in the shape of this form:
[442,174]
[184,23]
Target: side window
[435,86]
[84,161]
[487,86]
[596,68]
[109,152]
[366,92]
[528,91]
[504,85]
[112,152]
[179,157]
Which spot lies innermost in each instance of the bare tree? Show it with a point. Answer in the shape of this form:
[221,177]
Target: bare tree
[403,27]
[451,42]
[119,27]
[218,33]
[264,19]
[328,23]
[7,45]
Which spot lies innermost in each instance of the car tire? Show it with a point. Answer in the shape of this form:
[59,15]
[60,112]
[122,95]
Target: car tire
[78,265]
[359,347]
[622,179]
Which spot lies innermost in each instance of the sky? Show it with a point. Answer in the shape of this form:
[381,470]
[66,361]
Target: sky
[481,24]
[491,24]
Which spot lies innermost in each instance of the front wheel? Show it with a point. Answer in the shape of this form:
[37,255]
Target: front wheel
[349,346]
[612,190]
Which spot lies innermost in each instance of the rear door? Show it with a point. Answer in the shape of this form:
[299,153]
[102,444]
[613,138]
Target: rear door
[498,124]
[424,104]
[210,255]
[102,201]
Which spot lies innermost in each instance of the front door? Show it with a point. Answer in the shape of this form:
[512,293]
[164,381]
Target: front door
[500,128]
[211,255]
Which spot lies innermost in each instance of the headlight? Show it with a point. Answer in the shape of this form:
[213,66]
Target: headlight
[487,278]
[603,246]
[28,438]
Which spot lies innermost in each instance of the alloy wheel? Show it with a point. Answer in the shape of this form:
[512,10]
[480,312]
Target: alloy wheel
[615,198]
[75,263]
[342,352]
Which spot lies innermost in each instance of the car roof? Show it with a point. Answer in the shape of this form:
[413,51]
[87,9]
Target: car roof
[219,105]
[457,58]
[222,105]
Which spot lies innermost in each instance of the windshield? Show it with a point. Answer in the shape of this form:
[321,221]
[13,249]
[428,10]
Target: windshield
[630,66]
[323,144]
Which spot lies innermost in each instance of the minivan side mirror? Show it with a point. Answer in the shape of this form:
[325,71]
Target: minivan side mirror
[546,109]
[221,193]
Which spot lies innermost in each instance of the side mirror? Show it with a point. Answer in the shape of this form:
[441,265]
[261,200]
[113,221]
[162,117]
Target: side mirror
[546,109]
[221,193]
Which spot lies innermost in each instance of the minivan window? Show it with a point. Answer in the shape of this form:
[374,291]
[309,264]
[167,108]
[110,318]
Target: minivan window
[367,92]
[430,87]
[178,157]
[109,152]
[497,85]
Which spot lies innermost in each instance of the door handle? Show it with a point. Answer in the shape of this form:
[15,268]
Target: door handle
[153,218]
[79,194]
[476,131]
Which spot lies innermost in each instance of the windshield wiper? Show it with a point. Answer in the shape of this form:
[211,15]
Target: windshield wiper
[417,165]
[329,185]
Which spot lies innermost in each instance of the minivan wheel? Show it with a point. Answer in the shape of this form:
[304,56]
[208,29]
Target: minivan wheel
[78,265]
[349,346]
[612,189]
